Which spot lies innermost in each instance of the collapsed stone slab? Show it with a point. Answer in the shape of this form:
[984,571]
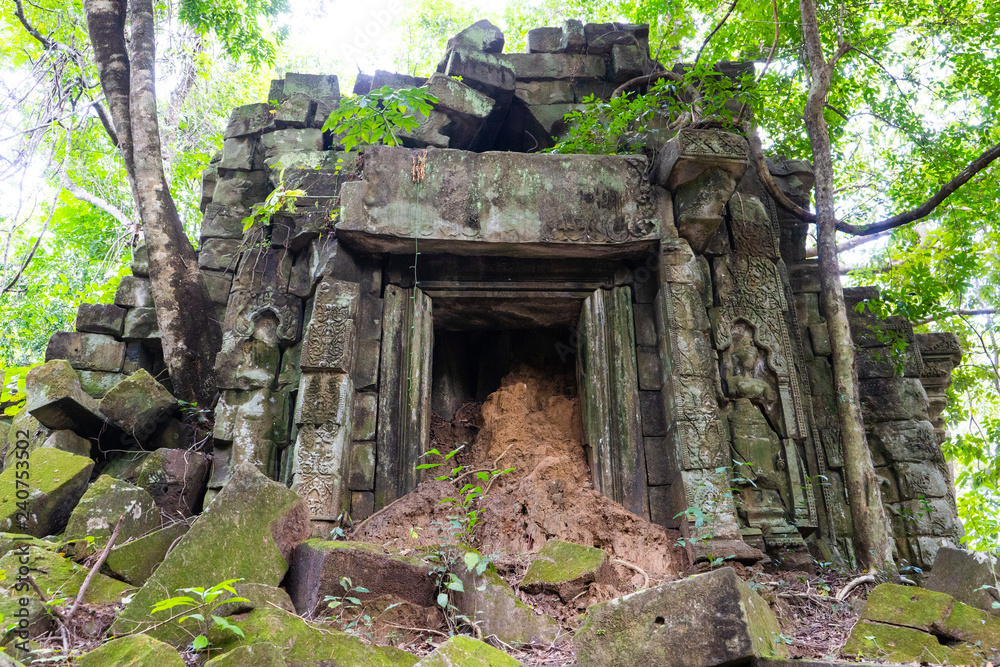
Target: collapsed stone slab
[56,399]
[139,405]
[176,480]
[59,577]
[105,501]
[56,483]
[906,623]
[135,650]
[462,651]
[968,576]
[317,567]
[301,643]
[247,533]
[567,569]
[135,561]
[488,600]
[710,619]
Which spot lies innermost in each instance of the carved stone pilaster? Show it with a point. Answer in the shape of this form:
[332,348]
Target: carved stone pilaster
[941,353]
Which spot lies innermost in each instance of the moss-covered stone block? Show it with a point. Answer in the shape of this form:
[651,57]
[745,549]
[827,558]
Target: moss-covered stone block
[135,561]
[10,541]
[68,441]
[248,533]
[100,508]
[907,606]
[139,405]
[256,596]
[43,502]
[59,577]
[318,565]
[706,620]
[969,576]
[462,651]
[56,399]
[305,645]
[973,626]
[890,643]
[125,465]
[567,569]
[264,654]
[135,651]
[31,616]
[26,435]
[488,600]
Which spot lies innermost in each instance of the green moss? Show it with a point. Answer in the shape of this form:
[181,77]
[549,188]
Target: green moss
[907,606]
[23,423]
[464,651]
[307,645]
[327,545]
[235,538]
[59,577]
[887,643]
[57,480]
[12,610]
[10,541]
[563,561]
[104,503]
[974,626]
[135,561]
[263,654]
[135,651]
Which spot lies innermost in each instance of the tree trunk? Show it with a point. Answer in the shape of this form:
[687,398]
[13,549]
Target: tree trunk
[872,540]
[189,331]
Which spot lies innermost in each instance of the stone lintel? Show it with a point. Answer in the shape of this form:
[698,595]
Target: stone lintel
[502,204]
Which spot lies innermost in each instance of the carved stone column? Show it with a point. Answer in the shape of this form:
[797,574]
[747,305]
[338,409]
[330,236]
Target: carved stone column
[323,411]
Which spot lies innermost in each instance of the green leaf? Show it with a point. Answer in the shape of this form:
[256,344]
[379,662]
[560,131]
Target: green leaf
[170,603]
[471,559]
[199,643]
[442,600]
[226,625]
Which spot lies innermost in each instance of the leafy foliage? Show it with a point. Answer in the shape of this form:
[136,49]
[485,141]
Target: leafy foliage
[638,123]
[241,26]
[461,524]
[197,607]
[378,117]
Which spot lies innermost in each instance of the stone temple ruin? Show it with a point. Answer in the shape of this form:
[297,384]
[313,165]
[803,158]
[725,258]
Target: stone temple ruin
[409,280]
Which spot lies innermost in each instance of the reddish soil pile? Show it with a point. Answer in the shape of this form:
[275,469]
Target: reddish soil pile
[532,424]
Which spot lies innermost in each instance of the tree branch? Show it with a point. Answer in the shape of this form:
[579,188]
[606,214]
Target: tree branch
[757,155]
[961,312]
[96,202]
[715,30]
[928,206]
[851,244]
[31,254]
[32,30]
[109,127]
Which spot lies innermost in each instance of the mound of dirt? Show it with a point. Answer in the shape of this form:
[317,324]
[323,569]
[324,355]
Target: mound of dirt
[531,424]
